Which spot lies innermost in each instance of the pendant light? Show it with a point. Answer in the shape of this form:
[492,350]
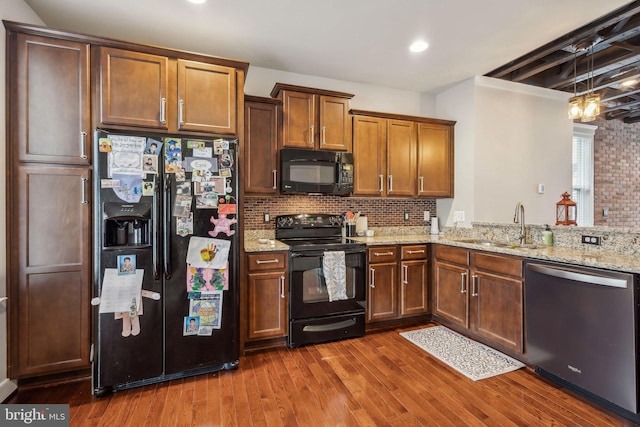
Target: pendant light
[584,107]
[575,103]
[591,107]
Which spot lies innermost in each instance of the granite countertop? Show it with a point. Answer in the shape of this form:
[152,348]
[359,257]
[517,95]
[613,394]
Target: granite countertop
[589,258]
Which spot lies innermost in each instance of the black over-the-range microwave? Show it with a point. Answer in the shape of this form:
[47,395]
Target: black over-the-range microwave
[308,171]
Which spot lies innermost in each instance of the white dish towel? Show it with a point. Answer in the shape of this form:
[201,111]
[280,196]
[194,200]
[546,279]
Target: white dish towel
[335,275]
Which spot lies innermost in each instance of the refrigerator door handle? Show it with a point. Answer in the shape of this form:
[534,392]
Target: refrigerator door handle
[167,224]
[155,243]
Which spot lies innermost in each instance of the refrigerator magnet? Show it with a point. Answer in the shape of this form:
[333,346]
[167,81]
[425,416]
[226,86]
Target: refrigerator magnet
[222,224]
[104,145]
[147,188]
[207,201]
[191,325]
[153,147]
[184,226]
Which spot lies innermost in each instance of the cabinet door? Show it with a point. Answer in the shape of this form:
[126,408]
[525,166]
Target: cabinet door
[50,100]
[50,287]
[401,158]
[495,309]
[267,305]
[413,289]
[133,89]
[335,126]
[261,142]
[382,297]
[435,160]
[450,299]
[206,98]
[369,154]
[298,113]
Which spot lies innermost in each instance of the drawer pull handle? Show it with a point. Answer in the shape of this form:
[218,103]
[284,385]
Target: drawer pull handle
[463,283]
[382,253]
[83,145]
[421,251]
[163,110]
[372,282]
[405,274]
[267,261]
[474,285]
[282,287]
[381,178]
[275,179]
[421,181]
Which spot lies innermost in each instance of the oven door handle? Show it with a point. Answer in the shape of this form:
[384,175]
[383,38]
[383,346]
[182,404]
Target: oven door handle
[321,253]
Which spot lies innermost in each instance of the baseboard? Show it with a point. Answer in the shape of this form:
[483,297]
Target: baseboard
[7,387]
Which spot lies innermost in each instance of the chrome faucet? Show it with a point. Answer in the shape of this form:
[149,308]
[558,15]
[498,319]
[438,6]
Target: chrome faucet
[518,217]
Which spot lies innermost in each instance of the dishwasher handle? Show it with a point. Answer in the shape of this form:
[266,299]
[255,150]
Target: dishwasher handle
[578,275]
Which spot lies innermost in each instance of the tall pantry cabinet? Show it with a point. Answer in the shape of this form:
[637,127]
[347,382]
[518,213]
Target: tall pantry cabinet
[61,86]
[48,204]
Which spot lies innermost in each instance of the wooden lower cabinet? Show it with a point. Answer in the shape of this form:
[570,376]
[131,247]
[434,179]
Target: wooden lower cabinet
[50,281]
[480,292]
[382,300]
[267,281]
[398,282]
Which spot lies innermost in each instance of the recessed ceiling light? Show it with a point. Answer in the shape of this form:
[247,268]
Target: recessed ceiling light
[197,1]
[418,46]
[629,82]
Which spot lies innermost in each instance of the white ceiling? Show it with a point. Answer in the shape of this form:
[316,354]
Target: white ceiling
[364,41]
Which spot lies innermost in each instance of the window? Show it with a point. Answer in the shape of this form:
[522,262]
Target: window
[582,181]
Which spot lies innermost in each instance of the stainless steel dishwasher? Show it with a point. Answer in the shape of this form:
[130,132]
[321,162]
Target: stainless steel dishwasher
[581,330]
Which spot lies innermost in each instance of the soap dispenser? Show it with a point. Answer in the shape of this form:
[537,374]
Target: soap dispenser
[547,236]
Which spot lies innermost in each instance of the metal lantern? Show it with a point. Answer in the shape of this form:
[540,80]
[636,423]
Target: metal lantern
[566,210]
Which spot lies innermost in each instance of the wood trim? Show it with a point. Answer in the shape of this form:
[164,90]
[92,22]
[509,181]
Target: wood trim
[393,116]
[262,99]
[282,86]
[108,42]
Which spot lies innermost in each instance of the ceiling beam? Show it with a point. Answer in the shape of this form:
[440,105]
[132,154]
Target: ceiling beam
[608,20]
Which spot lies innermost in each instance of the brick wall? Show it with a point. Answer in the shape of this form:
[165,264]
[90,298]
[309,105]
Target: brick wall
[617,173]
[379,212]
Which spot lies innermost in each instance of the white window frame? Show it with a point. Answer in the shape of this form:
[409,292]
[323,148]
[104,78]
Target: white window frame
[582,173]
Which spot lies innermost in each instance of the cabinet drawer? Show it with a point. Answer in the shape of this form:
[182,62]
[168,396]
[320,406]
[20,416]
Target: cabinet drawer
[452,254]
[414,252]
[502,264]
[267,261]
[382,254]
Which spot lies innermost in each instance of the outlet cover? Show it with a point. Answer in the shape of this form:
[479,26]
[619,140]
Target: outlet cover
[266,217]
[458,216]
[591,240]
[426,215]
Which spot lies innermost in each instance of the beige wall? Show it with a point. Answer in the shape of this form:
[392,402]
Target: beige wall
[509,138]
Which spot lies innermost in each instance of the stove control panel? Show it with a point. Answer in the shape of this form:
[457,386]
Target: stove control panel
[308,221]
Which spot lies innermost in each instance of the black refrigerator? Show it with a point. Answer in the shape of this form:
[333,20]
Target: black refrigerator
[165,258]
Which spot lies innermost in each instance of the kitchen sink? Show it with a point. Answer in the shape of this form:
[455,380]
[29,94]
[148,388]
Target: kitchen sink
[485,242]
[498,244]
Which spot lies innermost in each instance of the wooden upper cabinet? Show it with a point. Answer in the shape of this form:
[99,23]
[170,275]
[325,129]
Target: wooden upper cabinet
[49,109]
[418,155]
[133,88]
[435,160]
[298,127]
[335,126]
[401,158]
[261,119]
[314,118]
[206,98]
[157,92]
[369,155]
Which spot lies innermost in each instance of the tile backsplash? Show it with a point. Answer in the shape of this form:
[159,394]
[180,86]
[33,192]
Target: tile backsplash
[380,212]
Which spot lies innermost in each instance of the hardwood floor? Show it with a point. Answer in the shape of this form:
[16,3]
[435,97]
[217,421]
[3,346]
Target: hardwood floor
[379,380]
